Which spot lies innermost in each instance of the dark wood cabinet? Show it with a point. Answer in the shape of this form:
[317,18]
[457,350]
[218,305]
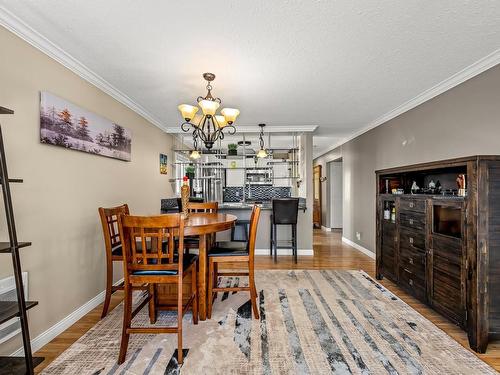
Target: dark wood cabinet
[443,248]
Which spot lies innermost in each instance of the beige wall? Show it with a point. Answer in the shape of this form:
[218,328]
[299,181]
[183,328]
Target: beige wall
[463,121]
[56,207]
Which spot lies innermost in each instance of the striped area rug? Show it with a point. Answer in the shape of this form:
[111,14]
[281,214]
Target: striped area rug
[311,322]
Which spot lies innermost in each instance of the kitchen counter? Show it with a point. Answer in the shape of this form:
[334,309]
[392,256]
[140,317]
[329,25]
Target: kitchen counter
[243,210]
[170,205]
[248,206]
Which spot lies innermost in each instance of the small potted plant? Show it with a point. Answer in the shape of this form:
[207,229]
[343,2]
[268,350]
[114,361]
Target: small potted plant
[190,172]
[232,149]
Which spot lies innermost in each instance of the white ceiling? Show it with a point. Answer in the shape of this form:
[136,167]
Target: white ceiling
[339,64]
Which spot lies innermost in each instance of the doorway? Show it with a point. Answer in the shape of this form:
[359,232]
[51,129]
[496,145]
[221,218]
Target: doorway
[317,196]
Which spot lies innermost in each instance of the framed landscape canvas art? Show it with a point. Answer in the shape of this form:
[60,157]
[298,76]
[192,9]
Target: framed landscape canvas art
[65,124]
[163,164]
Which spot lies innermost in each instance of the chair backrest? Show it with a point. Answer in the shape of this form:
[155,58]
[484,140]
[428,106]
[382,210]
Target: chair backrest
[252,235]
[109,220]
[191,199]
[211,207]
[285,210]
[144,245]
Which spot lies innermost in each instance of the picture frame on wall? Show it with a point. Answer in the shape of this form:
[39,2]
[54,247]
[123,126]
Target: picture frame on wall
[67,125]
[163,164]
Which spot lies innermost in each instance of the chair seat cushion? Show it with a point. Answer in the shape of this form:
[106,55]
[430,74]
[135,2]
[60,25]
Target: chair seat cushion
[187,260]
[229,248]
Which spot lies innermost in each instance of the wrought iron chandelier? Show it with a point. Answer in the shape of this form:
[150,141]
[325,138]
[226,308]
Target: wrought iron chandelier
[210,126]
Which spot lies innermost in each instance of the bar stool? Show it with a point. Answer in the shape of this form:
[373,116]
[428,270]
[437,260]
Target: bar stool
[285,212]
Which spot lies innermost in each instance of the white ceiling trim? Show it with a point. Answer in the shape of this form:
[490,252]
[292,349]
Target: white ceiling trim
[465,74]
[256,129]
[37,40]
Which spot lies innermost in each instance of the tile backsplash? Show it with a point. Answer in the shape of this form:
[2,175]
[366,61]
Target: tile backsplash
[256,193]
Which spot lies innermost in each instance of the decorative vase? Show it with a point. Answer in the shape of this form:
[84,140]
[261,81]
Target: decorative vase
[185,193]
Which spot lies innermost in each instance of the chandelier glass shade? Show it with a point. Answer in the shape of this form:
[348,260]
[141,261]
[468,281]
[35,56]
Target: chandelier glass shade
[208,126]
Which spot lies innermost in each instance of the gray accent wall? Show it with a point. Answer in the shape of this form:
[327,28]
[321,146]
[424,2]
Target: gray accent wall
[460,122]
[335,186]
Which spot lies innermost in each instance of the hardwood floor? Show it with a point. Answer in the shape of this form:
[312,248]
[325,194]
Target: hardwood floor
[329,252]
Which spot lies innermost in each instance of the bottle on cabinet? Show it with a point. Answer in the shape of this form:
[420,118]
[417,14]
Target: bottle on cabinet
[393,214]
[387,211]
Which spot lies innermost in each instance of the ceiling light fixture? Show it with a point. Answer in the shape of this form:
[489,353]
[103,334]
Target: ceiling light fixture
[195,154]
[210,126]
[262,152]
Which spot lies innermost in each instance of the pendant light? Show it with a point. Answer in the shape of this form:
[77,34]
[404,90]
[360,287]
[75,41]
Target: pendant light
[262,152]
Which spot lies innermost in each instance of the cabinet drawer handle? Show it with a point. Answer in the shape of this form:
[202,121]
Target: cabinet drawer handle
[410,282]
[411,221]
[411,240]
[412,204]
[407,270]
[410,260]
[395,239]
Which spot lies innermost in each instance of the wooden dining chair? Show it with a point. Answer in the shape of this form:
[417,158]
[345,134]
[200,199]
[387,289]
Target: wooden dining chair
[154,262]
[193,242]
[234,252]
[211,207]
[113,246]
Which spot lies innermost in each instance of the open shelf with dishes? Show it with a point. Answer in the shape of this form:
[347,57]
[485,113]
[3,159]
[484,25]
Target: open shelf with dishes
[445,181]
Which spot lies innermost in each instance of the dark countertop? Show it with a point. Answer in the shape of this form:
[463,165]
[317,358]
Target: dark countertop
[248,206]
[170,205]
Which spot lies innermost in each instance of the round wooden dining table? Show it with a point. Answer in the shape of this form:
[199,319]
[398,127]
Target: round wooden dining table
[205,225]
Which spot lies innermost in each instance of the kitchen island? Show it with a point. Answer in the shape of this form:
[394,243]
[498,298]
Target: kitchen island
[242,210]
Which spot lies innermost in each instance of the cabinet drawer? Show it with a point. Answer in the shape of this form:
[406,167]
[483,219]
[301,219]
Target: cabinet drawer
[412,220]
[412,239]
[413,282]
[413,259]
[416,205]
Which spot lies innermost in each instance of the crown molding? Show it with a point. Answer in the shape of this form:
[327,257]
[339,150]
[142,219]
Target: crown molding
[15,25]
[456,79]
[256,129]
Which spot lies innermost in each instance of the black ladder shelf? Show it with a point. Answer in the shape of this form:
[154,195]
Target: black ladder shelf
[12,309]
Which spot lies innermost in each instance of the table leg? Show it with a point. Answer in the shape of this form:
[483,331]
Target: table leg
[202,278]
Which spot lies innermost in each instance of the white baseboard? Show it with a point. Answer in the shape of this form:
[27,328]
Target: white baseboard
[285,252]
[358,247]
[326,229]
[58,328]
